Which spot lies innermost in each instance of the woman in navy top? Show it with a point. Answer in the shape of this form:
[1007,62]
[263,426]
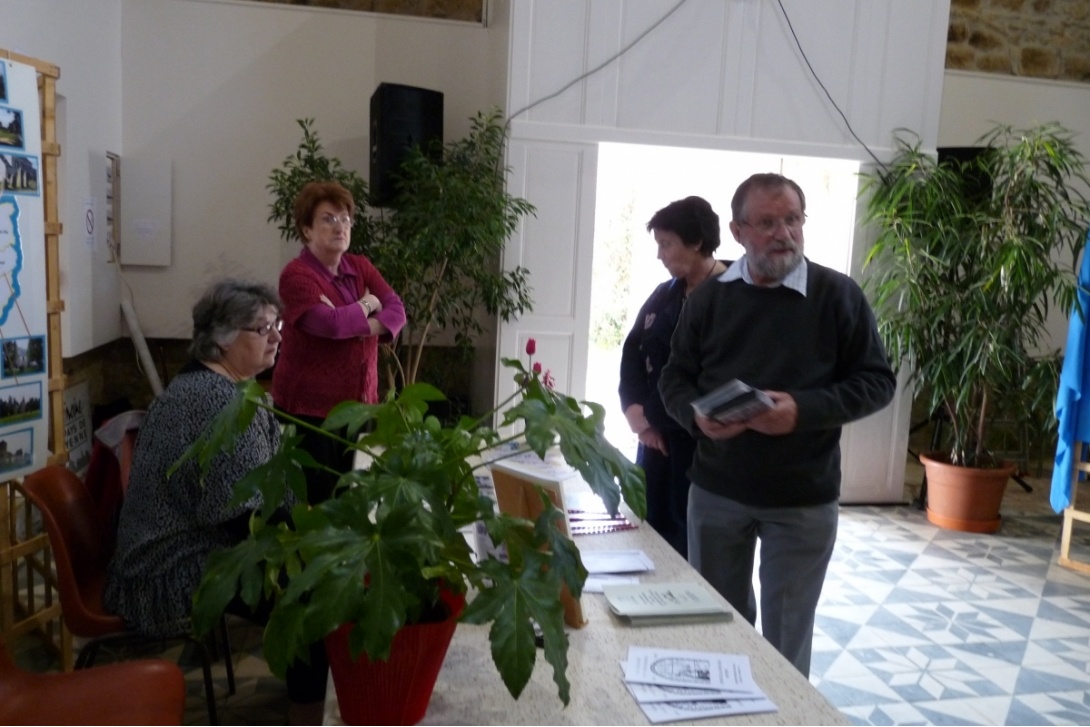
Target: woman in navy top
[687,234]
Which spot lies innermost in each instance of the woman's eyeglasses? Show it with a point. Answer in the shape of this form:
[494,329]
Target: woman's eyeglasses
[334,220]
[266,329]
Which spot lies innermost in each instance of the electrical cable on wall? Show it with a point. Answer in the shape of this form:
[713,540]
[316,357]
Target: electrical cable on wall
[659,22]
[144,360]
[601,65]
[828,95]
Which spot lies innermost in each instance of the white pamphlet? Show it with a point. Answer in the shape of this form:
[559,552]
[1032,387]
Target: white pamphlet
[672,685]
[658,712]
[616,561]
[597,583]
[676,668]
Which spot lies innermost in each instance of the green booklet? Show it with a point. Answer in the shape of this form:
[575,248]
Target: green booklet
[655,604]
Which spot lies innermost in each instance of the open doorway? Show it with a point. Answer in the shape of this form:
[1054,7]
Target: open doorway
[634,181]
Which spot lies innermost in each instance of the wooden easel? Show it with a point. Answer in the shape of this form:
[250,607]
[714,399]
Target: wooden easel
[22,559]
[1071,513]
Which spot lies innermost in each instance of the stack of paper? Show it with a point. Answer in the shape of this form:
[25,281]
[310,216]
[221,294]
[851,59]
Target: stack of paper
[683,685]
[587,515]
[653,604]
[608,567]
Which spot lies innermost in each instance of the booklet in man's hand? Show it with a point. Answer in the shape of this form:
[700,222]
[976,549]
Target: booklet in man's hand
[732,402]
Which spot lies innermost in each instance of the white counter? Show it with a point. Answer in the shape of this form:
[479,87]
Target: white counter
[469,689]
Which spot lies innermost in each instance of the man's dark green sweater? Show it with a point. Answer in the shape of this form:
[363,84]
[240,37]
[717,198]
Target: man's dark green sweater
[822,348]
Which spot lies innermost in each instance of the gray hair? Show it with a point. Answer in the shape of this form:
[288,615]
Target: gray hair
[227,306]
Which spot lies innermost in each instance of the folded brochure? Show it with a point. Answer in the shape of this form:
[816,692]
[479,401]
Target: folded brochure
[649,604]
[672,685]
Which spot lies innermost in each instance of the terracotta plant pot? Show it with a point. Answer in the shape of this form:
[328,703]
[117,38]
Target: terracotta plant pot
[397,691]
[964,498]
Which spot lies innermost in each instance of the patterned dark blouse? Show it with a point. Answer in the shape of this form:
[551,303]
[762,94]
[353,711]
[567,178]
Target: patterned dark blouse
[169,526]
[647,349]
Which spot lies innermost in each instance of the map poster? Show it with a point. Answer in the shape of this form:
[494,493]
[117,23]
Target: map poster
[24,385]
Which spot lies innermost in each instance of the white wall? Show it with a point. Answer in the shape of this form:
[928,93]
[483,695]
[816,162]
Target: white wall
[223,109]
[972,103]
[215,87]
[84,40]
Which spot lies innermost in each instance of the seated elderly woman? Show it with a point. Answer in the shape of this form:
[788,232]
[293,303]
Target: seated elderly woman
[169,525]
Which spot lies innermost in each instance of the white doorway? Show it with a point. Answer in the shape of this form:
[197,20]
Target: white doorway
[634,181]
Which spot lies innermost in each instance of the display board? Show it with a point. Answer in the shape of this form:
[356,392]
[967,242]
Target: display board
[24,416]
[30,341]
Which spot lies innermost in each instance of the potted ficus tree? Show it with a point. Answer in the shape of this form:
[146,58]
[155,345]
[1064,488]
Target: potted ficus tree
[970,256]
[387,550]
[438,243]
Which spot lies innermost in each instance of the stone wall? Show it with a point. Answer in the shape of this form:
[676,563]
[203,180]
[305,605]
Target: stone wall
[1035,38]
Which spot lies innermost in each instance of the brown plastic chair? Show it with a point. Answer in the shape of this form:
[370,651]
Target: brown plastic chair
[140,692]
[107,474]
[81,550]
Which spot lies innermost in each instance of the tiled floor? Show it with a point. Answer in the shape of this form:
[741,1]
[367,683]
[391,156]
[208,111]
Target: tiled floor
[917,626]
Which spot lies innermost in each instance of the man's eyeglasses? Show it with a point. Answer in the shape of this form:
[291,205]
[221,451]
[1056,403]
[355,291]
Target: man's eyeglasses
[332,220]
[266,329]
[768,225]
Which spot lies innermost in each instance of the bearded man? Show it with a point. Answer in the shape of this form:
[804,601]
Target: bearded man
[806,336]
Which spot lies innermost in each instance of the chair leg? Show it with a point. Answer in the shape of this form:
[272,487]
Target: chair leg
[206,667]
[87,656]
[228,656]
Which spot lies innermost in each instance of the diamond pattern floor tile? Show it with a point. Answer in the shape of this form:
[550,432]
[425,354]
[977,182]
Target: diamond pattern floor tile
[919,625]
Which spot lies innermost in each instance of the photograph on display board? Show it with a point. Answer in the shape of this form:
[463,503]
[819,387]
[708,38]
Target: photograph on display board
[11,128]
[22,356]
[16,449]
[3,81]
[20,403]
[19,174]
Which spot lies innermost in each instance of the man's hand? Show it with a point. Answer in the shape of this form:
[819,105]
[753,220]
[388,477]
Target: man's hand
[780,419]
[715,429]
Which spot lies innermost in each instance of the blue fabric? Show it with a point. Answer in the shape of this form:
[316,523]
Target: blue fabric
[1072,407]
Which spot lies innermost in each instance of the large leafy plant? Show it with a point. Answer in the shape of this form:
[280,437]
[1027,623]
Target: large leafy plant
[439,242]
[377,553]
[969,257]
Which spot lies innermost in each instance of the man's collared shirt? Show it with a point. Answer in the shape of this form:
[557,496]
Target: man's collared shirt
[795,280]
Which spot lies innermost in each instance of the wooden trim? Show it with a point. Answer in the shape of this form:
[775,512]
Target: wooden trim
[43,68]
[25,562]
[1073,515]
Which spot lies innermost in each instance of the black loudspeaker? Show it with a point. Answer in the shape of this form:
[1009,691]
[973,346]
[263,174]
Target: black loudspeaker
[401,117]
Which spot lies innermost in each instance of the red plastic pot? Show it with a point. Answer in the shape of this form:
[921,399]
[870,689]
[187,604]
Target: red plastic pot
[397,691]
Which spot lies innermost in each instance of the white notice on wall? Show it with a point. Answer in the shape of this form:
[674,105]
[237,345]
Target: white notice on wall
[77,426]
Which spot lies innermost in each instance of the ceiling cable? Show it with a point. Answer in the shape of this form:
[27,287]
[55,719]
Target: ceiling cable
[659,22]
[827,94]
[601,65]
